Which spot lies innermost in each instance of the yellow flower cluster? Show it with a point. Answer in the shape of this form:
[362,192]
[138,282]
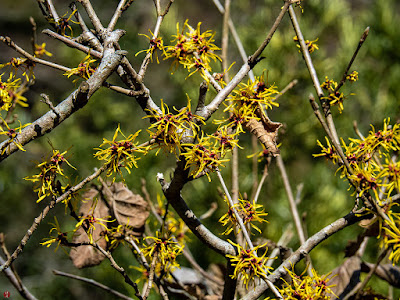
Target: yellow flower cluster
[50,171]
[306,287]
[249,100]
[120,154]
[193,49]
[11,93]
[248,264]
[311,45]
[249,211]
[85,69]
[164,249]
[375,172]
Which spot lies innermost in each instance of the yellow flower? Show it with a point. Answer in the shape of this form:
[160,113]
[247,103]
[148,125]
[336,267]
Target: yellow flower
[306,287]
[311,45]
[120,154]
[88,224]
[84,69]
[249,211]
[155,43]
[60,237]
[202,157]
[11,93]
[12,134]
[40,50]
[248,265]
[328,152]
[47,178]
[192,49]
[166,249]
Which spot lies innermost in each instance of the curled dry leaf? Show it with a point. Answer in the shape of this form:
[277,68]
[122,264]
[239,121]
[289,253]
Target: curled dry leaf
[129,209]
[345,277]
[266,132]
[88,256]
[387,272]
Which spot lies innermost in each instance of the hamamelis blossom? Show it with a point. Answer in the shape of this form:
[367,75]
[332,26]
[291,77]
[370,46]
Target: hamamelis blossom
[57,236]
[40,50]
[88,223]
[314,287]
[169,128]
[249,211]
[248,264]
[120,154]
[155,43]
[311,45]
[327,152]
[252,96]
[85,68]
[12,134]
[50,171]
[11,93]
[202,157]
[23,64]
[165,248]
[391,235]
[193,49]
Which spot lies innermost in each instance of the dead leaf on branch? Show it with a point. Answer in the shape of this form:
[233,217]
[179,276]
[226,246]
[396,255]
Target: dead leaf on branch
[88,256]
[345,277]
[266,132]
[387,272]
[128,208]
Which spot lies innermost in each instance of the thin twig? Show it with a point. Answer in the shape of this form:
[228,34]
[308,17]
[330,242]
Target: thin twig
[92,282]
[306,248]
[244,70]
[44,213]
[245,233]
[15,281]
[293,207]
[92,15]
[346,72]
[117,14]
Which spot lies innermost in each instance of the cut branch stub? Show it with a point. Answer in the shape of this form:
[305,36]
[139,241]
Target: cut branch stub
[266,132]
[129,209]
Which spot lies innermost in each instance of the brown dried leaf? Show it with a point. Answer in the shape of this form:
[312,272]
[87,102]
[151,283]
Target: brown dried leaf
[266,132]
[345,277]
[129,209]
[88,256]
[387,272]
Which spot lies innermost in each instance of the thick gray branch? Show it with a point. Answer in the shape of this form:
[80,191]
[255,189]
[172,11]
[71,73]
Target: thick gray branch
[71,104]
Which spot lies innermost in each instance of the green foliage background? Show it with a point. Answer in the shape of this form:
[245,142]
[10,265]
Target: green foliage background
[338,25]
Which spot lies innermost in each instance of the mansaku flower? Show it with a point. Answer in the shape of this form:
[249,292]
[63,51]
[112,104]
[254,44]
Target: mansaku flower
[328,151]
[85,68]
[202,157]
[12,135]
[352,77]
[391,235]
[11,93]
[57,236]
[155,43]
[193,49]
[47,178]
[40,50]
[169,129]
[165,249]
[23,64]
[311,45]
[307,287]
[249,211]
[248,264]
[120,154]
[88,223]
[252,96]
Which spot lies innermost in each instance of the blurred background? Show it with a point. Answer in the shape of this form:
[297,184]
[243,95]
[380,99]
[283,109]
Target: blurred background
[338,25]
